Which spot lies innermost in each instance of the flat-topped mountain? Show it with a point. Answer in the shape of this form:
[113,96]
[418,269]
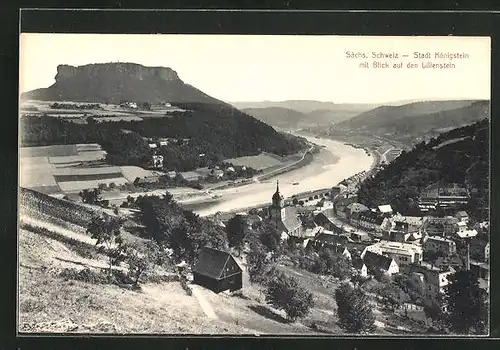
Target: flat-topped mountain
[116,82]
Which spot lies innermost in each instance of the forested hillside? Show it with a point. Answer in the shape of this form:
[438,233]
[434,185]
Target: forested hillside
[415,121]
[218,131]
[458,156]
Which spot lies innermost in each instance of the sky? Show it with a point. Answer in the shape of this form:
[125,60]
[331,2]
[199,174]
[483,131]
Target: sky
[237,68]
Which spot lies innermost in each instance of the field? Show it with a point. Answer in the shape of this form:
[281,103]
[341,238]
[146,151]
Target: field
[105,112]
[260,162]
[65,169]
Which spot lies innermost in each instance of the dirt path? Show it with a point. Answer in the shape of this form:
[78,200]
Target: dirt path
[205,305]
[57,229]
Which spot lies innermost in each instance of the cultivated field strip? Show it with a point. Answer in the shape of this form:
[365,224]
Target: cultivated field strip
[259,162]
[87,171]
[87,177]
[84,157]
[77,186]
[36,177]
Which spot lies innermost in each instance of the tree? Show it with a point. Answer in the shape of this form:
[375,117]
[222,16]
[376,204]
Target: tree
[334,263]
[107,231]
[285,293]
[354,309]
[141,258]
[270,237]
[466,303]
[259,267]
[236,231]
[91,196]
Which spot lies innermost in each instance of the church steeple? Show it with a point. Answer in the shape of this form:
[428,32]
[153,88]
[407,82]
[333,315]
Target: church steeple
[277,197]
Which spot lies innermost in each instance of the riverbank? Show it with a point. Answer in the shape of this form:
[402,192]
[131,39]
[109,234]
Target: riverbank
[334,162]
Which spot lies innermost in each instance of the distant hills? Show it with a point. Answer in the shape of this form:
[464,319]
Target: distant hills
[460,155]
[414,121]
[301,113]
[215,128]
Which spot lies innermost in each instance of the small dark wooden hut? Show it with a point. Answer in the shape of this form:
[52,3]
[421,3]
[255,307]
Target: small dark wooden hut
[217,271]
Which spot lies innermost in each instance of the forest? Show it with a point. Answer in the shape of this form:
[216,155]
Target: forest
[217,131]
[458,156]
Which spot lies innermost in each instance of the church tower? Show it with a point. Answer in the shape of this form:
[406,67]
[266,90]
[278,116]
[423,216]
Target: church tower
[277,205]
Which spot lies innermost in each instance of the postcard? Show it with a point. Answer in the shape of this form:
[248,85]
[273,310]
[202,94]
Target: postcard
[297,185]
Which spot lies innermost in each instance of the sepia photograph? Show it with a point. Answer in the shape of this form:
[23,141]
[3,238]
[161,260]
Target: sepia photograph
[303,185]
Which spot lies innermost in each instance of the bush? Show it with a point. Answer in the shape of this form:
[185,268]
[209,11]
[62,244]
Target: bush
[86,275]
[141,258]
[354,309]
[285,293]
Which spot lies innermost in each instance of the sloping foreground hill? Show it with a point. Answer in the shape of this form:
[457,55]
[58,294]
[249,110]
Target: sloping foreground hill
[116,82]
[415,120]
[458,156]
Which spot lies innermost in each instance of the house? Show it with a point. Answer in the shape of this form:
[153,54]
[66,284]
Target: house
[403,253]
[479,250]
[385,209]
[218,173]
[190,176]
[158,161]
[284,217]
[466,234]
[360,236]
[327,239]
[430,281]
[447,226]
[217,271]
[355,208]
[480,269]
[325,218]
[446,196]
[146,180]
[360,266]
[335,191]
[172,174]
[153,145]
[375,261]
[371,220]
[436,244]
[462,216]
[461,226]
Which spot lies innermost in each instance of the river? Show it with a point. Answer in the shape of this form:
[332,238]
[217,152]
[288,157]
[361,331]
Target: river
[334,163]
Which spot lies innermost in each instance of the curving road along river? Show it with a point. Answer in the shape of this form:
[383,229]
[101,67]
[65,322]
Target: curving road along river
[331,165]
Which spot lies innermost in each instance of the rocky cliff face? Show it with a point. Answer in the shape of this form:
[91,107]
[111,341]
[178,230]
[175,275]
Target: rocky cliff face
[115,82]
[119,69]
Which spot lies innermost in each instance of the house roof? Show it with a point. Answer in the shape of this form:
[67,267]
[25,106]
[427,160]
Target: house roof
[386,208]
[357,263]
[467,233]
[371,217]
[290,221]
[462,214]
[211,262]
[330,238]
[377,260]
[357,207]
